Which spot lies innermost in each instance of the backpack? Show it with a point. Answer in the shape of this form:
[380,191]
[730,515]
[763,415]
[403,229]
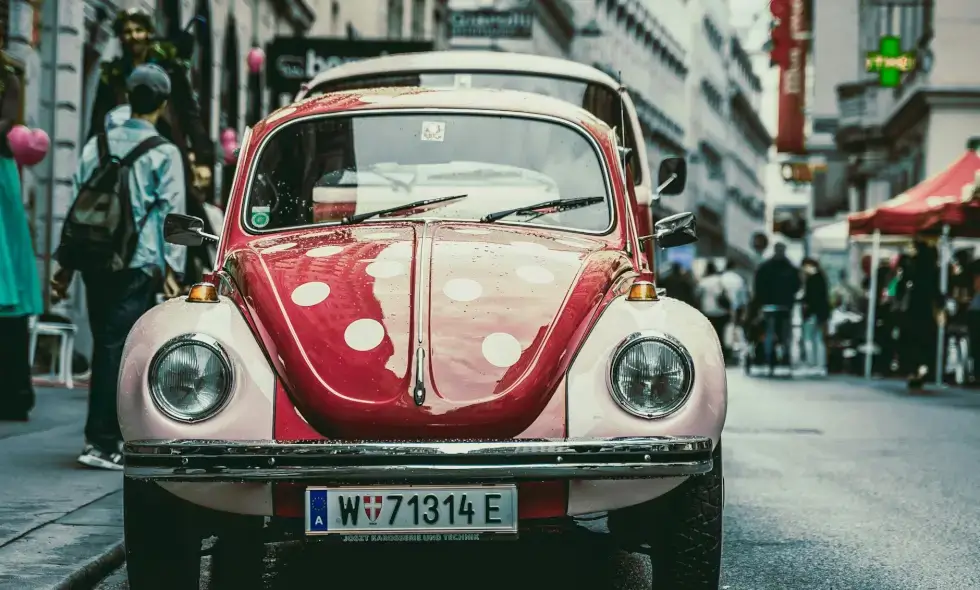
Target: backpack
[100,234]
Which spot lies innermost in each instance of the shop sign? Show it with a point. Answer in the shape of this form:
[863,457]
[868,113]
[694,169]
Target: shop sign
[790,137]
[493,24]
[295,60]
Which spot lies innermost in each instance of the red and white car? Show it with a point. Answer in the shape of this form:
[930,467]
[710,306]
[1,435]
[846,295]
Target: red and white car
[432,322]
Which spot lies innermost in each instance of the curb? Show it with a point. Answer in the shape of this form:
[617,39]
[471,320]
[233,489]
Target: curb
[94,570]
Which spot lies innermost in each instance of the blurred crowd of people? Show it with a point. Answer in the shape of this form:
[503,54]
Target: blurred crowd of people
[756,318]
[911,306]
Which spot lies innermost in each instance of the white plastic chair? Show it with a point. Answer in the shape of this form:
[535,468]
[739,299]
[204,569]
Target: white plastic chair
[65,333]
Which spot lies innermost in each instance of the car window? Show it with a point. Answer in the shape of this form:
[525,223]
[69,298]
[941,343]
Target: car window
[599,100]
[321,170]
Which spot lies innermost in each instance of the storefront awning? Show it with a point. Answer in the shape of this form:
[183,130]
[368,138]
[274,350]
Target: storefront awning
[945,198]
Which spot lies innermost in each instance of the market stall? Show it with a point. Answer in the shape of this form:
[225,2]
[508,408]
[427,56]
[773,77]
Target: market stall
[945,205]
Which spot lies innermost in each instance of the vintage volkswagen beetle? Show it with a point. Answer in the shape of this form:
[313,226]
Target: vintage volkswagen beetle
[432,323]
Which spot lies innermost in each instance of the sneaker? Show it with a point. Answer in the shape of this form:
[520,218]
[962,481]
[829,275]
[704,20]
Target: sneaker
[93,457]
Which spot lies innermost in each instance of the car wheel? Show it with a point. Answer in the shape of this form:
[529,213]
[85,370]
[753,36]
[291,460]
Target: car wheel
[685,548]
[163,544]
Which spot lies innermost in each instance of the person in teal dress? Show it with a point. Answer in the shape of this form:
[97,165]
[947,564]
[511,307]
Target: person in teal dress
[20,289]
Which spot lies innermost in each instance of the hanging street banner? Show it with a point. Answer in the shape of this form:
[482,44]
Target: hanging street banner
[293,61]
[493,24]
[792,29]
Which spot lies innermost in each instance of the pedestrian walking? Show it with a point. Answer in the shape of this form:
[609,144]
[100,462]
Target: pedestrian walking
[128,180]
[680,285]
[775,287]
[182,122]
[923,309]
[816,312]
[20,290]
[715,302]
[738,292]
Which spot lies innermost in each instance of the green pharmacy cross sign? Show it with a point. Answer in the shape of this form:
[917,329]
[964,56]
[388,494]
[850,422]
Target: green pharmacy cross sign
[889,62]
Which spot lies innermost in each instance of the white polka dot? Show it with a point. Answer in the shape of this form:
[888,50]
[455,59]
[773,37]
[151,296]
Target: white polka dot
[536,274]
[385,269]
[310,294]
[301,417]
[385,235]
[573,243]
[364,334]
[397,250]
[462,289]
[473,232]
[501,350]
[278,248]
[323,251]
[530,247]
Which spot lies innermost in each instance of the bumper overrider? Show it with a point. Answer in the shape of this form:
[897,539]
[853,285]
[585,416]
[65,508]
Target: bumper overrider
[413,461]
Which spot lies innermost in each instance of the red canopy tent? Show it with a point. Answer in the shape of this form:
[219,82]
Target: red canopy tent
[946,203]
[928,206]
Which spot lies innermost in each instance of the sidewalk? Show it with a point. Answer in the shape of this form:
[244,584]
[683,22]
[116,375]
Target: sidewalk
[60,522]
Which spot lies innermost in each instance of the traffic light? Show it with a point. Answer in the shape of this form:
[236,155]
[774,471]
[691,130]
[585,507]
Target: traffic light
[780,38]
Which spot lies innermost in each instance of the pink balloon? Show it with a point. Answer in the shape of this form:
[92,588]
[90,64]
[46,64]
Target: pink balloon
[229,135]
[29,147]
[255,60]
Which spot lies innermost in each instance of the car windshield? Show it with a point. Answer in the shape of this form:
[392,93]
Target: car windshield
[326,170]
[599,100]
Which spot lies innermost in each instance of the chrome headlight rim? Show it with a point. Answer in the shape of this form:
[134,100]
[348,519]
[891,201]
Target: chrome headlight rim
[661,338]
[192,339]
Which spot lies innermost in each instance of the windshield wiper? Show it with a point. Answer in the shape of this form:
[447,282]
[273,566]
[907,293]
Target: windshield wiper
[359,217]
[557,204]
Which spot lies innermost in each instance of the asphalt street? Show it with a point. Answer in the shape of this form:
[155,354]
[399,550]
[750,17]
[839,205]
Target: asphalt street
[831,484]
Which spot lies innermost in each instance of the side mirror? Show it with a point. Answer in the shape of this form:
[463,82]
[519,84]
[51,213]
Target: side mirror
[185,230]
[672,177]
[679,229]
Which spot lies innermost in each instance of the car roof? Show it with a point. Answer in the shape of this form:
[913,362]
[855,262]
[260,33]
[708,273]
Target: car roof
[468,61]
[488,99]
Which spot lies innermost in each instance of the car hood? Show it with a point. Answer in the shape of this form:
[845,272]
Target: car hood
[488,315]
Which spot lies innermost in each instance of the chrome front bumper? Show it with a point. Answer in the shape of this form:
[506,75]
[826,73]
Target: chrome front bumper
[432,462]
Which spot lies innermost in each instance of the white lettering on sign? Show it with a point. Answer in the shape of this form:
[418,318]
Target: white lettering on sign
[317,63]
[793,76]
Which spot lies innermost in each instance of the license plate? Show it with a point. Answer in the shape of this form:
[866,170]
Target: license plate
[412,510]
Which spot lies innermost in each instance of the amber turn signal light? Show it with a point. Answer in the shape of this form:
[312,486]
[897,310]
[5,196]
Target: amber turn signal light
[642,291]
[203,293]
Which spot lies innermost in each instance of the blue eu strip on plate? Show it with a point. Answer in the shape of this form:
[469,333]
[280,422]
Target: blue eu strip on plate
[318,510]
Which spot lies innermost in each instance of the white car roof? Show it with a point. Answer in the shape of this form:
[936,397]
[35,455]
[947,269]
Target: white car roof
[465,60]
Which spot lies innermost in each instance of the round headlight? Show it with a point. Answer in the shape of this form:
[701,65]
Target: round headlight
[651,375]
[190,378]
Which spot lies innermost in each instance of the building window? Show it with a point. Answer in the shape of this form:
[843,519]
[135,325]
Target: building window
[714,36]
[418,19]
[395,19]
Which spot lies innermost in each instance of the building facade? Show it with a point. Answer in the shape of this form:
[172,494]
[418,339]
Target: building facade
[895,137]
[60,45]
[637,45]
[541,27]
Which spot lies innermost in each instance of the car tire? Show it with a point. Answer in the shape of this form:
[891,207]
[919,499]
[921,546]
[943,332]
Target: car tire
[163,543]
[686,542]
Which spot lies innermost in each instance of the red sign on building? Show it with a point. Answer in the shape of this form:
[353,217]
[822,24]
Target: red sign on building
[790,42]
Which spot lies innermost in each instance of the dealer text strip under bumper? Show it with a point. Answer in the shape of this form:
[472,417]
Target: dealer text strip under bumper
[413,461]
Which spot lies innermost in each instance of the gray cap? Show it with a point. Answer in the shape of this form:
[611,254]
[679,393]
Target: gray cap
[153,77]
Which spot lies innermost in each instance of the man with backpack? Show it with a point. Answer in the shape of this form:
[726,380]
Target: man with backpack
[129,178]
